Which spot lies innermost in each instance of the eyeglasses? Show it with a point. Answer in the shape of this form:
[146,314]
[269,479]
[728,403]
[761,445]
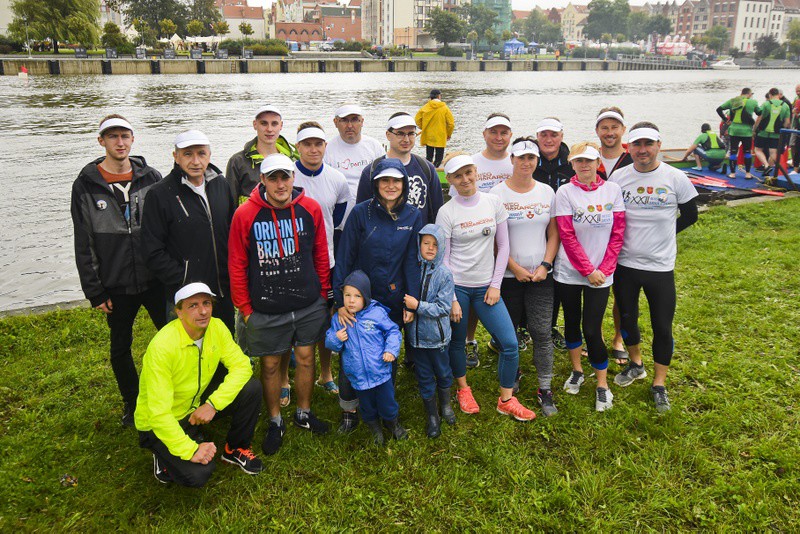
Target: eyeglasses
[407,135]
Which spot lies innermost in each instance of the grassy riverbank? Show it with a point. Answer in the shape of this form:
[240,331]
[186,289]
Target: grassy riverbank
[725,458]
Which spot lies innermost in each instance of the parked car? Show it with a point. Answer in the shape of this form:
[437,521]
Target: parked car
[326,47]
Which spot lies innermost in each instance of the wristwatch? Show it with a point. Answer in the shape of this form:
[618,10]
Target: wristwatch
[548,266]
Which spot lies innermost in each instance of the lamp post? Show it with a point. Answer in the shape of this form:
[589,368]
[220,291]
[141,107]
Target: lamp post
[27,38]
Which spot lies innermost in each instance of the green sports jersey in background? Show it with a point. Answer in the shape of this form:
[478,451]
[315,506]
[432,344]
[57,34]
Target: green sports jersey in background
[741,111]
[773,114]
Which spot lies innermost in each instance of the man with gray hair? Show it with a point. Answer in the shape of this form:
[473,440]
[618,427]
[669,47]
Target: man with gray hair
[186,221]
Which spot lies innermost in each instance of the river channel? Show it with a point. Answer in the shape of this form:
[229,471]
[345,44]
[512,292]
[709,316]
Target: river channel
[48,131]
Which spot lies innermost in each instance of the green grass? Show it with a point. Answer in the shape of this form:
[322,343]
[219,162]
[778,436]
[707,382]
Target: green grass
[724,459]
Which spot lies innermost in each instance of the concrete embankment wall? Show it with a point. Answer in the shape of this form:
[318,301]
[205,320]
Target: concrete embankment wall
[71,66]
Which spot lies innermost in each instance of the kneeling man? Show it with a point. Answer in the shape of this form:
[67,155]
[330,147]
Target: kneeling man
[192,373]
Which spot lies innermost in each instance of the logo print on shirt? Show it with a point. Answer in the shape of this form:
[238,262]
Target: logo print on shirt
[609,206]
[417,191]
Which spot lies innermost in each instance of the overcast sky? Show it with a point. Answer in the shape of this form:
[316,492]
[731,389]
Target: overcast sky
[516,4]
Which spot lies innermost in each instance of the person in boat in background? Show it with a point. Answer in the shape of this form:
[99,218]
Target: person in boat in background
[707,147]
[243,170]
[740,128]
[614,155]
[774,114]
[107,198]
[554,170]
[659,203]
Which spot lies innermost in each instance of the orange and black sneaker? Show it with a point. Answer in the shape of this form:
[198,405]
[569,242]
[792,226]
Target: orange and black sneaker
[244,458]
[516,410]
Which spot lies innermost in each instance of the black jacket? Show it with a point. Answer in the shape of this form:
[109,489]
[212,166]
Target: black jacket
[107,246]
[181,242]
[555,172]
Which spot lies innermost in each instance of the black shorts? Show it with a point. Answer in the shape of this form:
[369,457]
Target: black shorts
[765,143]
[274,334]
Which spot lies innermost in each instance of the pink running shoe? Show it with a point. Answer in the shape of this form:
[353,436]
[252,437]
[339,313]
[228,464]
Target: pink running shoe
[516,410]
[466,401]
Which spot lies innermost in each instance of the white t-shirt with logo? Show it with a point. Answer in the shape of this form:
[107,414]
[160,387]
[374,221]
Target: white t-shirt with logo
[651,203]
[328,188]
[472,230]
[350,160]
[528,217]
[592,215]
[490,172]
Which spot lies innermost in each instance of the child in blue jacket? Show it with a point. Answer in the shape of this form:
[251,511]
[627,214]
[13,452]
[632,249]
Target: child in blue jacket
[367,350]
[429,332]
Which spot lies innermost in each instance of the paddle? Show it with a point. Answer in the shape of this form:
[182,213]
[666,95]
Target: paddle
[713,183]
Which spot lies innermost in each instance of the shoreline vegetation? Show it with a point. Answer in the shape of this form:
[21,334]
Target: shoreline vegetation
[725,458]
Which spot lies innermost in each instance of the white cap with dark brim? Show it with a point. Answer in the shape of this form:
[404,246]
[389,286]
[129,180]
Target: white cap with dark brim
[589,152]
[401,121]
[389,172]
[458,162]
[190,290]
[269,109]
[644,133]
[349,109]
[552,125]
[114,122]
[277,162]
[310,133]
[191,138]
[524,147]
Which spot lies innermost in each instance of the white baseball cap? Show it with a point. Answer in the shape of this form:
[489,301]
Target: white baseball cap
[277,162]
[401,121]
[310,133]
[389,172]
[191,138]
[114,122]
[349,109]
[524,147]
[190,290]
[589,152]
[269,109]
[644,133]
[552,125]
[457,162]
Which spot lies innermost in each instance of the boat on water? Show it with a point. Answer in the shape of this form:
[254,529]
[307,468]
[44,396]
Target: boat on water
[725,64]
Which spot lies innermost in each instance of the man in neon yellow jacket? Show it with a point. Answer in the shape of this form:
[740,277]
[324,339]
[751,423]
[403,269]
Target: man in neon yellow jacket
[193,373]
[437,123]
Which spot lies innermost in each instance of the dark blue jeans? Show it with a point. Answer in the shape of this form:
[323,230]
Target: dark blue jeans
[497,321]
[432,367]
[378,402]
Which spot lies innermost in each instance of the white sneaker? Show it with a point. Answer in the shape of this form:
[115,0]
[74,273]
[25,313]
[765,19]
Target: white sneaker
[573,383]
[603,399]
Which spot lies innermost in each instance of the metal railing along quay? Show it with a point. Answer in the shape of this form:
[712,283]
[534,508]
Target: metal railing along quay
[641,62]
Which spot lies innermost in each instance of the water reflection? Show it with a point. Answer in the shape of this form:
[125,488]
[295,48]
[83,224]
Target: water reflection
[48,131]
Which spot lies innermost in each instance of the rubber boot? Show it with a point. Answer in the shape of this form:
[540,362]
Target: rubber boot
[377,431]
[433,427]
[349,422]
[444,406]
[397,430]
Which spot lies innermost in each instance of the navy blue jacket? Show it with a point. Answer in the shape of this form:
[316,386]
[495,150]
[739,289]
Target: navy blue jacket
[384,246]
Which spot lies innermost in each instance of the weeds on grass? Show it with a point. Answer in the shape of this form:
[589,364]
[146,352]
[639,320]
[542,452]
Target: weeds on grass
[724,458]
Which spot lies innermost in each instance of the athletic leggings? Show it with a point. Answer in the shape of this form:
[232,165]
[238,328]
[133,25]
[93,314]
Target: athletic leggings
[659,289]
[594,303]
[434,154]
[747,145]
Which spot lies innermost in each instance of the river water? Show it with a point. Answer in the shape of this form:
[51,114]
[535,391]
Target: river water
[48,131]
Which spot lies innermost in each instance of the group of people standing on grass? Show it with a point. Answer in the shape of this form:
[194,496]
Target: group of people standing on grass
[335,245]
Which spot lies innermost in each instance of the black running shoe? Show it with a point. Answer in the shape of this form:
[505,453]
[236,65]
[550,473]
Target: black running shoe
[274,438]
[309,421]
[160,472]
[128,410]
[244,458]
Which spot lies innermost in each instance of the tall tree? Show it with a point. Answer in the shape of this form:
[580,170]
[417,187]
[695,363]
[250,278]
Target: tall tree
[205,11]
[637,25]
[793,37]
[478,17]
[606,16]
[153,11]
[194,27]
[59,20]
[112,36]
[167,28]
[445,27]
[715,38]
[539,29]
[765,45]
[659,24]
